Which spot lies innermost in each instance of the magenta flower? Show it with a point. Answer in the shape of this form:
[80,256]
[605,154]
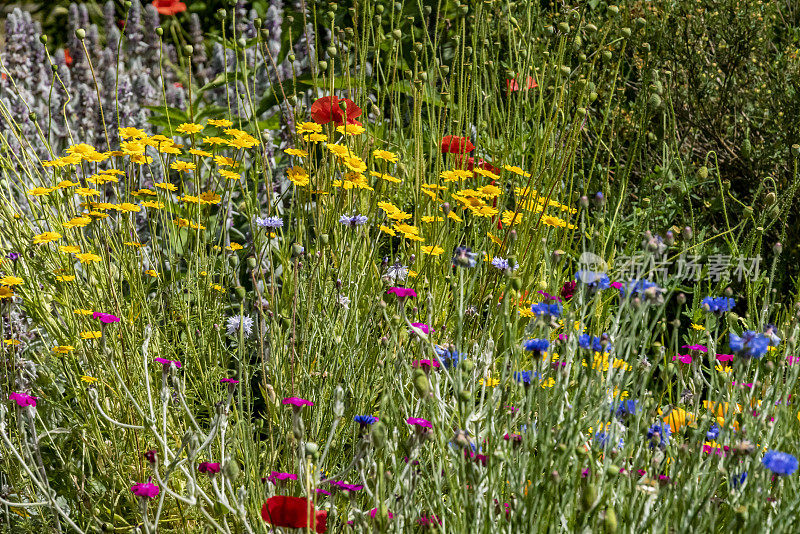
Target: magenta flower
[431,520]
[145,490]
[616,285]
[422,326]
[425,364]
[211,468]
[23,400]
[402,292]
[166,363]
[229,381]
[105,317]
[150,456]
[548,296]
[297,402]
[725,357]
[374,512]
[419,422]
[342,485]
[275,477]
[513,437]
[701,348]
[683,358]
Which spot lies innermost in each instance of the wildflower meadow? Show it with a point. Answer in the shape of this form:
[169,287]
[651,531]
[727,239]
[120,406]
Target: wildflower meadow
[413,266]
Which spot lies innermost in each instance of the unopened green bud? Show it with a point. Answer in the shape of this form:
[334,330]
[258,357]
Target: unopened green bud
[702,172]
[312,449]
[588,497]
[607,55]
[626,32]
[610,521]
[159,31]
[421,383]
[397,34]
[378,434]
[43,39]
[563,27]
[231,470]
[240,292]
[323,65]
[80,33]
[189,49]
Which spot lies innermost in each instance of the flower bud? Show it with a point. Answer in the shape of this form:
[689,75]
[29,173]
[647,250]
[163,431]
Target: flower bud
[159,31]
[777,248]
[312,450]
[610,521]
[43,39]
[599,200]
[323,65]
[795,150]
[231,470]
[378,434]
[80,33]
[687,232]
[584,201]
[189,49]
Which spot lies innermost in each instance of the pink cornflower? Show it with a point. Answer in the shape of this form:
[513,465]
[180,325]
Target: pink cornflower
[145,490]
[212,468]
[402,292]
[419,422]
[297,402]
[23,400]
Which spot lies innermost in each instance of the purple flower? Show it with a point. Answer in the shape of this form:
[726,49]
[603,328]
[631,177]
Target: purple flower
[297,402]
[22,399]
[229,381]
[699,348]
[13,256]
[166,363]
[353,220]
[781,463]
[212,468]
[419,422]
[106,318]
[145,490]
[322,491]
[150,456]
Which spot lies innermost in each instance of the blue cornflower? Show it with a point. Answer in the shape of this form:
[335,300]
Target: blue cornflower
[595,343]
[448,356]
[718,305]
[659,434]
[780,463]
[502,264]
[625,408]
[526,377]
[639,287]
[552,310]
[268,222]
[353,220]
[771,331]
[713,432]
[604,438]
[593,279]
[537,346]
[464,257]
[738,481]
[365,420]
[750,344]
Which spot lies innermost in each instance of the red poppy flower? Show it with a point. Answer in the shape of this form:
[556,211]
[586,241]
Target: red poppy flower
[328,109]
[456,145]
[513,85]
[293,512]
[67,57]
[169,7]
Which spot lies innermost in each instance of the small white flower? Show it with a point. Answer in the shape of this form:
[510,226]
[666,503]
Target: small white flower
[235,322]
